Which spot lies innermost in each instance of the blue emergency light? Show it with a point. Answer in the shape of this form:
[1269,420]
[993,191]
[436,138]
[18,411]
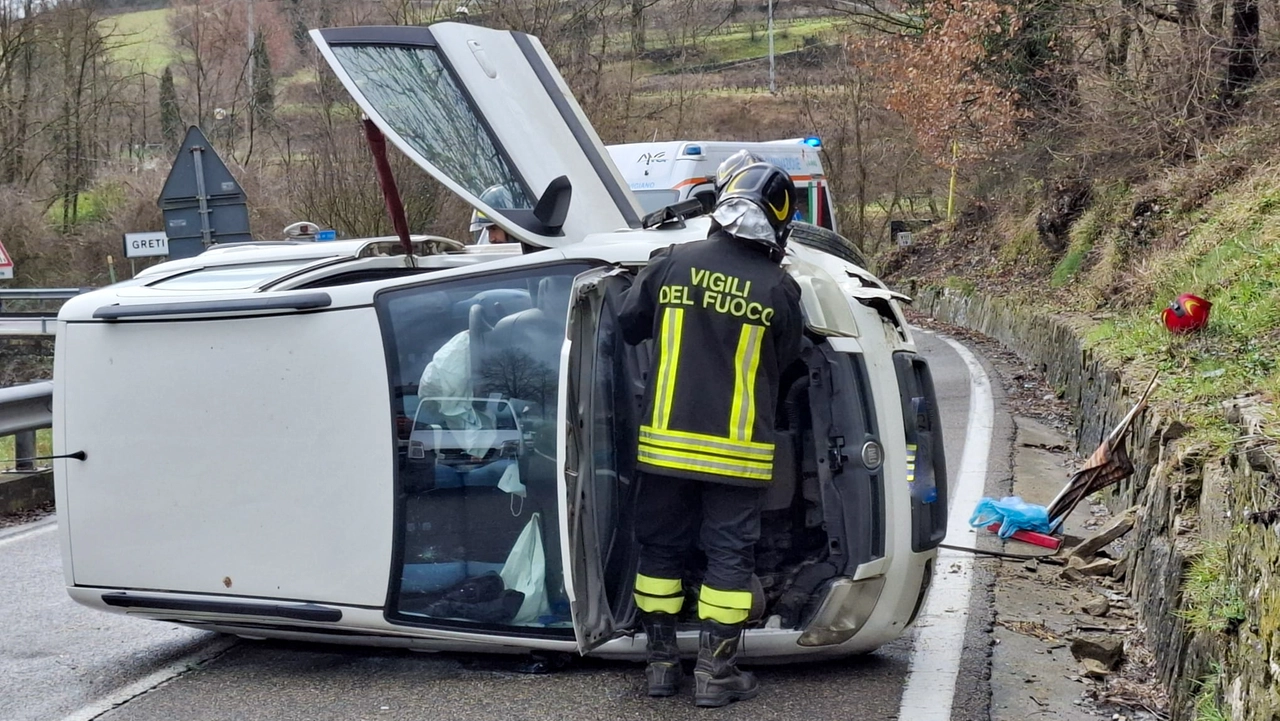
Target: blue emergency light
[813,141]
[693,150]
[326,235]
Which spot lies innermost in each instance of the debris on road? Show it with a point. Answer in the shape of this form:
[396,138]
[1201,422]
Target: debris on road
[1108,465]
[1098,607]
[1105,650]
[1119,526]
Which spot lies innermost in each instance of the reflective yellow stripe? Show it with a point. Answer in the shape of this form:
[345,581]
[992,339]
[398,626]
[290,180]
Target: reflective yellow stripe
[658,595]
[761,452]
[716,465]
[728,607]
[745,364]
[705,438]
[650,604]
[657,586]
[668,360]
[911,463]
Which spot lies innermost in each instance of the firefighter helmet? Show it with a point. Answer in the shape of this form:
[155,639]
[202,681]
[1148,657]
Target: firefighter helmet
[769,189]
[732,165]
[495,196]
[1186,313]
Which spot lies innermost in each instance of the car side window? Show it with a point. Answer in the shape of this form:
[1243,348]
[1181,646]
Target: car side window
[475,366]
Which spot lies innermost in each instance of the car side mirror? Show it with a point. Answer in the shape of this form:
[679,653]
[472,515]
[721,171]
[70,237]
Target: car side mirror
[552,209]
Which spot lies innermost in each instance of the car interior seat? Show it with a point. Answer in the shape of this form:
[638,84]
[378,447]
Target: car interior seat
[538,331]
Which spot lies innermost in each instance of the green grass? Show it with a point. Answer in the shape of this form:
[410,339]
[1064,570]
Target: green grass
[44,447]
[1206,701]
[1233,260]
[736,43]
[96,203]
[143,39]
[1211,601]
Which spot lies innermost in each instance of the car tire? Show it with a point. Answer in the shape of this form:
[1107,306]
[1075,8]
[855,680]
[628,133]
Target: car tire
[827,241]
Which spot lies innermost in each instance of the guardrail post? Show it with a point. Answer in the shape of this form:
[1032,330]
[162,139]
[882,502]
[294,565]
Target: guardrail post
[24,446]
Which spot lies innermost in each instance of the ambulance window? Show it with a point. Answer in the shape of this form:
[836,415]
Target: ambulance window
[651,200]
[826,219]
[802,205]
[415,94]
[474,366]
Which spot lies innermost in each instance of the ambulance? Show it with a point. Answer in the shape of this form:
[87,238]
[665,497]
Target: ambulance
[663,173]
[414,442]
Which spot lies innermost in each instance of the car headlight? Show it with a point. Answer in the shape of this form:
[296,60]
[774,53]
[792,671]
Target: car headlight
[843,612]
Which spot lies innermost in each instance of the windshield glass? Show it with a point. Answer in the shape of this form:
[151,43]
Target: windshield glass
[475,364]
[651,200]
[414,93]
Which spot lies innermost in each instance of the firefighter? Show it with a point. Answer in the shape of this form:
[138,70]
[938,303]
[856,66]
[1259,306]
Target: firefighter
[726,322]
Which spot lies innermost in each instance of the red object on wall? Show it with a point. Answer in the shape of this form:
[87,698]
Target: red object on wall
[1186,314]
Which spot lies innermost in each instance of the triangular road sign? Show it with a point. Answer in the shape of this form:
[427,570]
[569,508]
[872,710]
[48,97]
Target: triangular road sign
[6,263]
[202,203]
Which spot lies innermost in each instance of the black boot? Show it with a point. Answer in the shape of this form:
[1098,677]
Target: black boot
[663,673]
[717,680]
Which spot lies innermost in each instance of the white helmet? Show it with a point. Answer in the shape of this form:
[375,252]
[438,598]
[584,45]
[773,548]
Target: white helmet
[495,196]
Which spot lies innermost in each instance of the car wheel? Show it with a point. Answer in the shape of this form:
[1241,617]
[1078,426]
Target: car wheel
[827,241]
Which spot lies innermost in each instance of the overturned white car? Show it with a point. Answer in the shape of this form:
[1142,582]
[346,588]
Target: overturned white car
[268,449]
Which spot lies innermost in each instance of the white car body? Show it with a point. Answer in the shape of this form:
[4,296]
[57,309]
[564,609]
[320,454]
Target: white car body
[243,413]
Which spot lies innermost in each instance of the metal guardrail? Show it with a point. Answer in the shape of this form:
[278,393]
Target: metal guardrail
[33,322]
[40,293]
[24,410]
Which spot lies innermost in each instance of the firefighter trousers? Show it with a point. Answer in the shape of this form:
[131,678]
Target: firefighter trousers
[672,514]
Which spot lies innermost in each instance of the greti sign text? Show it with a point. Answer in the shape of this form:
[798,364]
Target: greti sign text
[144,245]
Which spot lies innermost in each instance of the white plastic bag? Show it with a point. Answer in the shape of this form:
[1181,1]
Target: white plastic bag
[526,571]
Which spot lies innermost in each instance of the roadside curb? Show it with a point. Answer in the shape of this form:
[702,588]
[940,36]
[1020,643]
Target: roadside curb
[25,492]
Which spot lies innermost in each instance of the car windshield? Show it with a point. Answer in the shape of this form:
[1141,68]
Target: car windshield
[413,92]
[651,200]
[475,363]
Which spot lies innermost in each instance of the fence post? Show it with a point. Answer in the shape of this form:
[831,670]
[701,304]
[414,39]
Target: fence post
[24,446]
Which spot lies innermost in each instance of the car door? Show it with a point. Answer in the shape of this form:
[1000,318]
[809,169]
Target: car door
[599,459]
[486,113]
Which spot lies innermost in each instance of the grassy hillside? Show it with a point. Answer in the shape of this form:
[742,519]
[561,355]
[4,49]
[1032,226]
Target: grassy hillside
[143,39]
[1211,228]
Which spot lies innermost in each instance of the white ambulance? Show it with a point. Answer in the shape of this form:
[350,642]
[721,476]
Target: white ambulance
[664,173]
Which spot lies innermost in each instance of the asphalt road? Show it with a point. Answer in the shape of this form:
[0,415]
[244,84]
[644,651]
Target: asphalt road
[61,662]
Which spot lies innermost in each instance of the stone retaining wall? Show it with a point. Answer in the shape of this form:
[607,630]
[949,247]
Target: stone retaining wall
[1184,498]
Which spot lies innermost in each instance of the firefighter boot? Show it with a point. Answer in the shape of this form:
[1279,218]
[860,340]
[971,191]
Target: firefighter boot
[663,673]
[717,680]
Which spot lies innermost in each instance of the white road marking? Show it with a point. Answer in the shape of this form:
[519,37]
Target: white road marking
[939,641]
[145,684]
[14,535]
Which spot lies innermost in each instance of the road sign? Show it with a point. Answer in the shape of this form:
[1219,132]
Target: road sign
[202,203]
[146,245]
[6,264]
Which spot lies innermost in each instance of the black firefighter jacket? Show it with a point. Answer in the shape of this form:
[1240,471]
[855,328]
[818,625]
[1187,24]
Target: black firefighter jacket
[727,321]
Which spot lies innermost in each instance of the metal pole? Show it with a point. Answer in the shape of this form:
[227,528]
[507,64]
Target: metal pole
[951,188]
[253,97]
[773,85]
[24,446]
[206,235]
